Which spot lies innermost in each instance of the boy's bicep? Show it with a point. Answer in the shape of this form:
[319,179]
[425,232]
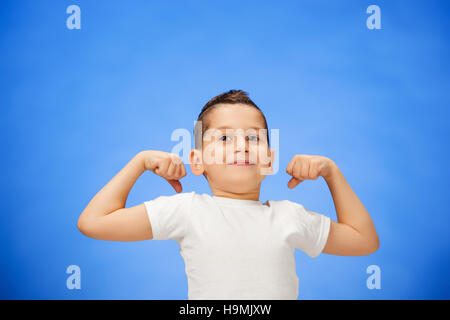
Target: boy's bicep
[127,224]
[343,240]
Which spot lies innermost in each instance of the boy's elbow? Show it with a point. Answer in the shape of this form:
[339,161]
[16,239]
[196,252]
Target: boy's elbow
[81,226]
[376,243]
[373,250]
[84,227]
[373,246]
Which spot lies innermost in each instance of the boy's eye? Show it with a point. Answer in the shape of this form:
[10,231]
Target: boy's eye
[253,138]
[228,138]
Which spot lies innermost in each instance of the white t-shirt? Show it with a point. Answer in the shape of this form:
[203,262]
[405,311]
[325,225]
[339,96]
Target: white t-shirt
[238,249]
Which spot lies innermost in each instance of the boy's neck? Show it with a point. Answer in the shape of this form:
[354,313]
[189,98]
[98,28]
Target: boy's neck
[239,196]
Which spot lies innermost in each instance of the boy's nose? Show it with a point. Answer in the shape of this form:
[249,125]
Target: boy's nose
[241,144]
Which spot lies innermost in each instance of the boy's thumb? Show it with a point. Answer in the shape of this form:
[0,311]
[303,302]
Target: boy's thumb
[176,185]
[293,183]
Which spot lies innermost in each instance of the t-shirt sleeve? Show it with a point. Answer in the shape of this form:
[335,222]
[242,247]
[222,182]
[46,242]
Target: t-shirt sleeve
[169,216]
[311,230]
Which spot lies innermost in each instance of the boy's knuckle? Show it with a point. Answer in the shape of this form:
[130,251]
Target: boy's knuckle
[175,158]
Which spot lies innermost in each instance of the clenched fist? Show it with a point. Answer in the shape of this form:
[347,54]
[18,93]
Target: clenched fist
[306,167]
[166,165]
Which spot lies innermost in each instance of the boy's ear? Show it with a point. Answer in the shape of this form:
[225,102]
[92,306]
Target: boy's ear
[272,159]
[195,161]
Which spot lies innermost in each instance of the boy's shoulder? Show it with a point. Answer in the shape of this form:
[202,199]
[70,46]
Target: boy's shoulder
[177,197]
[285,202]
[184,195]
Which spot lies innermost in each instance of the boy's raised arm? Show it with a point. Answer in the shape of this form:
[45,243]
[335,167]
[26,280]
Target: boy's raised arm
[354,234]
[106,218]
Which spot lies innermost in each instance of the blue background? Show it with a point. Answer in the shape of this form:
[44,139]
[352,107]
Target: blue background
[77,105]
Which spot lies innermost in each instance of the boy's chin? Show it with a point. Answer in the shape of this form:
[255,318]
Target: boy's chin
[246,175]
[243,183]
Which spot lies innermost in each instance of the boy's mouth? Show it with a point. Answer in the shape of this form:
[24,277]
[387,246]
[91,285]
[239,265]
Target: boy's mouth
[243,163]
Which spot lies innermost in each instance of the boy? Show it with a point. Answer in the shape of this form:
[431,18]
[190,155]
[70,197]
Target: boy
[233,245]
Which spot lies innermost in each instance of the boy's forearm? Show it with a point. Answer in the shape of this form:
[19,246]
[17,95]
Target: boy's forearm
[349,209]
[114,194]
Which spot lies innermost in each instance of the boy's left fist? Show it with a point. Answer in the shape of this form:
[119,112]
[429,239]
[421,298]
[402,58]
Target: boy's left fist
[306,167]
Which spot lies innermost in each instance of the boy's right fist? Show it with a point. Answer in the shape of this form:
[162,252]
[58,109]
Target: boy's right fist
[166,165]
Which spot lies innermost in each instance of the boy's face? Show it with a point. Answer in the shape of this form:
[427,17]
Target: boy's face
[235,157]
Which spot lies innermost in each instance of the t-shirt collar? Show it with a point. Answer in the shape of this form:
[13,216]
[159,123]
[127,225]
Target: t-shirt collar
[238,202]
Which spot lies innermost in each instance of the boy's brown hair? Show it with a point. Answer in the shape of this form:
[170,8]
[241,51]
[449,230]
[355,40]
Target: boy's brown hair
[231,97]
